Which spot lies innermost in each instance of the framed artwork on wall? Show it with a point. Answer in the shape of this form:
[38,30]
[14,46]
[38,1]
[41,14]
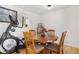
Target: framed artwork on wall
[25,21]
[22,20]
[4,14]
[19,17]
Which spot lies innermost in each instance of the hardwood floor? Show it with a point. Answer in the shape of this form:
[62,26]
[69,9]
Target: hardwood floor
[22,51]
[71,50]
[67,50]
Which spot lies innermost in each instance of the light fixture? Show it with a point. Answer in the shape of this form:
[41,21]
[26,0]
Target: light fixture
[49,7]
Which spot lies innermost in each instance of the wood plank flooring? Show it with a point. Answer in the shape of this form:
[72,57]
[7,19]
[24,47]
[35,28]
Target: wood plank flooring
[67,50]
[71,50]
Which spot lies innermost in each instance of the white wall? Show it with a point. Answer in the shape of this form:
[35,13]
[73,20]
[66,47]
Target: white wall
[32,19]
[64,19]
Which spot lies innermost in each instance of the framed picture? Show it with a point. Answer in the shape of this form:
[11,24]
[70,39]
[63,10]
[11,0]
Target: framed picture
[4,14]
[20,20]
[25,21]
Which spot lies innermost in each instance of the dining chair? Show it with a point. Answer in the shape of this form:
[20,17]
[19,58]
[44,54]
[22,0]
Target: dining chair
[57,48]
[51,35]
[51,32]
[31,47]
[32,32]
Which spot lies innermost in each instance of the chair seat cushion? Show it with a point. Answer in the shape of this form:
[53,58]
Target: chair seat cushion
[39,48]
[52,46]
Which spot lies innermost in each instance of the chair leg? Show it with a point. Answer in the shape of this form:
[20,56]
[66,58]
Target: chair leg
[54,52]
[61,52]
[47,51]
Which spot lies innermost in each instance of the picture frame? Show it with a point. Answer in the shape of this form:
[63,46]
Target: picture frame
[24,21]
[21,20]
[5,12]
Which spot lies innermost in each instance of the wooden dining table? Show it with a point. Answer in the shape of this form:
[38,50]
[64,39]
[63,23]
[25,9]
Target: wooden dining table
[46,39]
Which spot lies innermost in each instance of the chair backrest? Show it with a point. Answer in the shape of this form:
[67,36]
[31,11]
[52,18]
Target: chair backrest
[29,43]
[32,32]
[51,32]
[62,41]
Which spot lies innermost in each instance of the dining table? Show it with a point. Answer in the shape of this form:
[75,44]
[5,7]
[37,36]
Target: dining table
[46,39]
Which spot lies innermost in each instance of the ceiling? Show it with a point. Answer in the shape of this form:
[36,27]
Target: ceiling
[40,9]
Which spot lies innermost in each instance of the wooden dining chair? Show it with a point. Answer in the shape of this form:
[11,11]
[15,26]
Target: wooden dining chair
[31,47]
[57,48]
[32,32]
[51,32]
[51,35]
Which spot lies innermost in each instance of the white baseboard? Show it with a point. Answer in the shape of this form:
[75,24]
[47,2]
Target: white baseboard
[75,46]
